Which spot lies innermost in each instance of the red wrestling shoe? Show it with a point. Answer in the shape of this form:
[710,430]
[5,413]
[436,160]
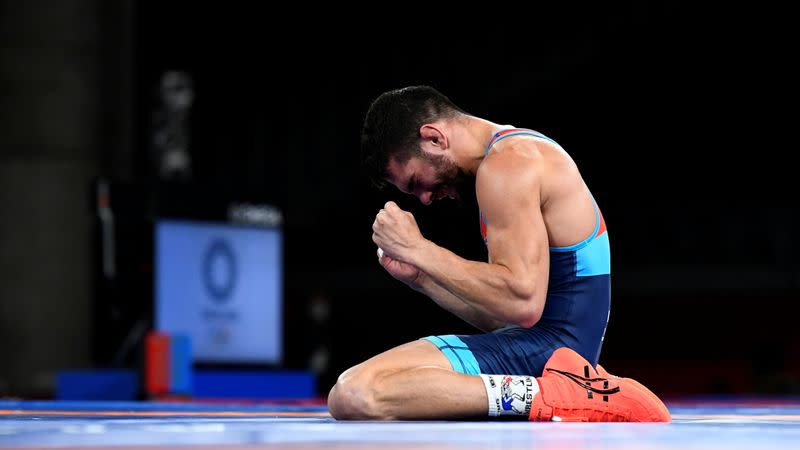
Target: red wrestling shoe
[570,389]
[653,397]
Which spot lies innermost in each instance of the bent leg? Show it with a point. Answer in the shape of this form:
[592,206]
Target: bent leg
[412,381]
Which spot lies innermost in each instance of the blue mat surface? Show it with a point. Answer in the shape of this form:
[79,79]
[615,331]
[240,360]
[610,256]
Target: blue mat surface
[711,423]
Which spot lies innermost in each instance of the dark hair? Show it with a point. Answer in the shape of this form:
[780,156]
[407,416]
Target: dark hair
[391,127]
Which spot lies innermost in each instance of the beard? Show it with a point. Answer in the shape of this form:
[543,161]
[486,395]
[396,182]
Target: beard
[451,178]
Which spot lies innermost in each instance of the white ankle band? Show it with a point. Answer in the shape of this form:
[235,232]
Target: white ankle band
[509,394]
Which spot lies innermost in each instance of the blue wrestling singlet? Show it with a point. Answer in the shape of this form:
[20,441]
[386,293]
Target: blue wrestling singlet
[575,315]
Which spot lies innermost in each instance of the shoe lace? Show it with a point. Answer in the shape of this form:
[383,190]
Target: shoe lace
[581,414]
[586,382]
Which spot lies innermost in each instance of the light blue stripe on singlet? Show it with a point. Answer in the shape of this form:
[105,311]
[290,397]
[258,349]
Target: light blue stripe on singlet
[456,351]
[586,241]
[592,255]
[594,258]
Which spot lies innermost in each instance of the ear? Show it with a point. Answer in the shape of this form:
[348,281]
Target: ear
[433,138]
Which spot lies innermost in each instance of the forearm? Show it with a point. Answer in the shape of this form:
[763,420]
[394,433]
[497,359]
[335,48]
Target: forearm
[457,306]
[491,289]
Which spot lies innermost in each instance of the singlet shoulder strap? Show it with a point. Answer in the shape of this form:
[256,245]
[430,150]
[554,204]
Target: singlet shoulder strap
[507,132]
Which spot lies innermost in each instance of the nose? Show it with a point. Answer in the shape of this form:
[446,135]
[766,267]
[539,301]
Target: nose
[426,197]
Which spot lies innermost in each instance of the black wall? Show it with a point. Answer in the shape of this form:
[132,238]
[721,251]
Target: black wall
[678,118]
[669,110]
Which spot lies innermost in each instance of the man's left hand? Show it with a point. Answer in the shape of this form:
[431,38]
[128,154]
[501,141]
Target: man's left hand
[396,232]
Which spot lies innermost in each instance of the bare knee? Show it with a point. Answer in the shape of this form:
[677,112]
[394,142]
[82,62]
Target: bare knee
[368,390]
[354,397]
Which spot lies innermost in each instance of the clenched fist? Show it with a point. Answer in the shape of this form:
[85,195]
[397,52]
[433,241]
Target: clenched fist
[397,233]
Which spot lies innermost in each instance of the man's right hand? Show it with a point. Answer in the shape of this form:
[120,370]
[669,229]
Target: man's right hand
[404,272]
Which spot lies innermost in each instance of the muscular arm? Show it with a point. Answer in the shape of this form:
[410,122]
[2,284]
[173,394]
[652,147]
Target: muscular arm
[456,305]
[512,287]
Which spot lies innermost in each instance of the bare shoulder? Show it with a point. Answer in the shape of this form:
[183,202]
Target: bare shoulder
[525,157]
[514,164]
[508,179]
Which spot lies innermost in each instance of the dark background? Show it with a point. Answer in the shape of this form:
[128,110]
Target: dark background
[678,117]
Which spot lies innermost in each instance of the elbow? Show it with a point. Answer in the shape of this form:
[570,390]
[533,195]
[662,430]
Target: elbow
[531,307]
[529,314]
[530,311]
[530,303]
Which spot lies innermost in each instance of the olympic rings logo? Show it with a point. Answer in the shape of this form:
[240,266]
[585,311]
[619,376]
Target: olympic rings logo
[219,270]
